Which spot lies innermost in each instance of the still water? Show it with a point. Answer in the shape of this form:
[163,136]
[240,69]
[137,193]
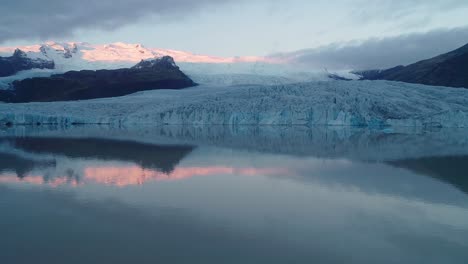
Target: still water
[233,195]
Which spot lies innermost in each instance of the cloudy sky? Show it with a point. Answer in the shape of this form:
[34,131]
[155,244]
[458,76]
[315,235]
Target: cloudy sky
[328,33]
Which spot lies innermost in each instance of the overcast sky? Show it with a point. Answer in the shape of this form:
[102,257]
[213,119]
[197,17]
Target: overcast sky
[317,29]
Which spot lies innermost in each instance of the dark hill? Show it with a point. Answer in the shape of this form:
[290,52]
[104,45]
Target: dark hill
[161,73]
[450,69]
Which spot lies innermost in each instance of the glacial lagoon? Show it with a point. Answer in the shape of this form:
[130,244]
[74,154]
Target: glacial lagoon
[248,194]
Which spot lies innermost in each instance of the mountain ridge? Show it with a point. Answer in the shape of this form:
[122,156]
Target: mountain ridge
[160,73]
[122,52]
[19,61]
[449,69]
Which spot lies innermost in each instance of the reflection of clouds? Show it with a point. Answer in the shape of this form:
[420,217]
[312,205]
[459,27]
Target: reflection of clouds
[13,178]
[322,204]
[37,180]
[340,204]
[342,174]
[315,217]
[135,175]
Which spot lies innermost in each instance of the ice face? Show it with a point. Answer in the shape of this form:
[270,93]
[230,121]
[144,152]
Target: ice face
[332,103]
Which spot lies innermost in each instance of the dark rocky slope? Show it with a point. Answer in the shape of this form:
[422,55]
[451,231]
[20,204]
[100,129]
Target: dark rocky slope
[20,62]
[161,73]
[450,69]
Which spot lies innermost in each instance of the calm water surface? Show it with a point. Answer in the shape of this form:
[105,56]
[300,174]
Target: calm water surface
[224,195]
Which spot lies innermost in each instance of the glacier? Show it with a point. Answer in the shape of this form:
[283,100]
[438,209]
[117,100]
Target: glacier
[235,91]
[375,104]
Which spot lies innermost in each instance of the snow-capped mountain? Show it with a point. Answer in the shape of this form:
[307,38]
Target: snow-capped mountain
[80,55]
[201,68]
[19,61]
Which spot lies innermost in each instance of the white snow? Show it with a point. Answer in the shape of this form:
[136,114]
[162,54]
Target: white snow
[77,55]
[258,73]
[201,68]
[333,103]
[6,81]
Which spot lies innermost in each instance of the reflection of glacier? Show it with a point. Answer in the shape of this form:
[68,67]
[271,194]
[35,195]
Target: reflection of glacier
[332,103]
[340,142]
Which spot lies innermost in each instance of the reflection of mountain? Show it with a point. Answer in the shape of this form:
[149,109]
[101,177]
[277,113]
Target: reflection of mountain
[116,158]
[148,162]
[162,158]
[452,169]
[21,166]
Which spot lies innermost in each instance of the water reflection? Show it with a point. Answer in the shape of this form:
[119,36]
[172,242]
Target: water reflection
[100,161]
[162,158]
[233,196]
[21,166]
[80,161]
[451,169]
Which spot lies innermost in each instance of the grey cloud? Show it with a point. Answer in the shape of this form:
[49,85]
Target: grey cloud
[403,15]
[381,53]
[399,9]
[28,19]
